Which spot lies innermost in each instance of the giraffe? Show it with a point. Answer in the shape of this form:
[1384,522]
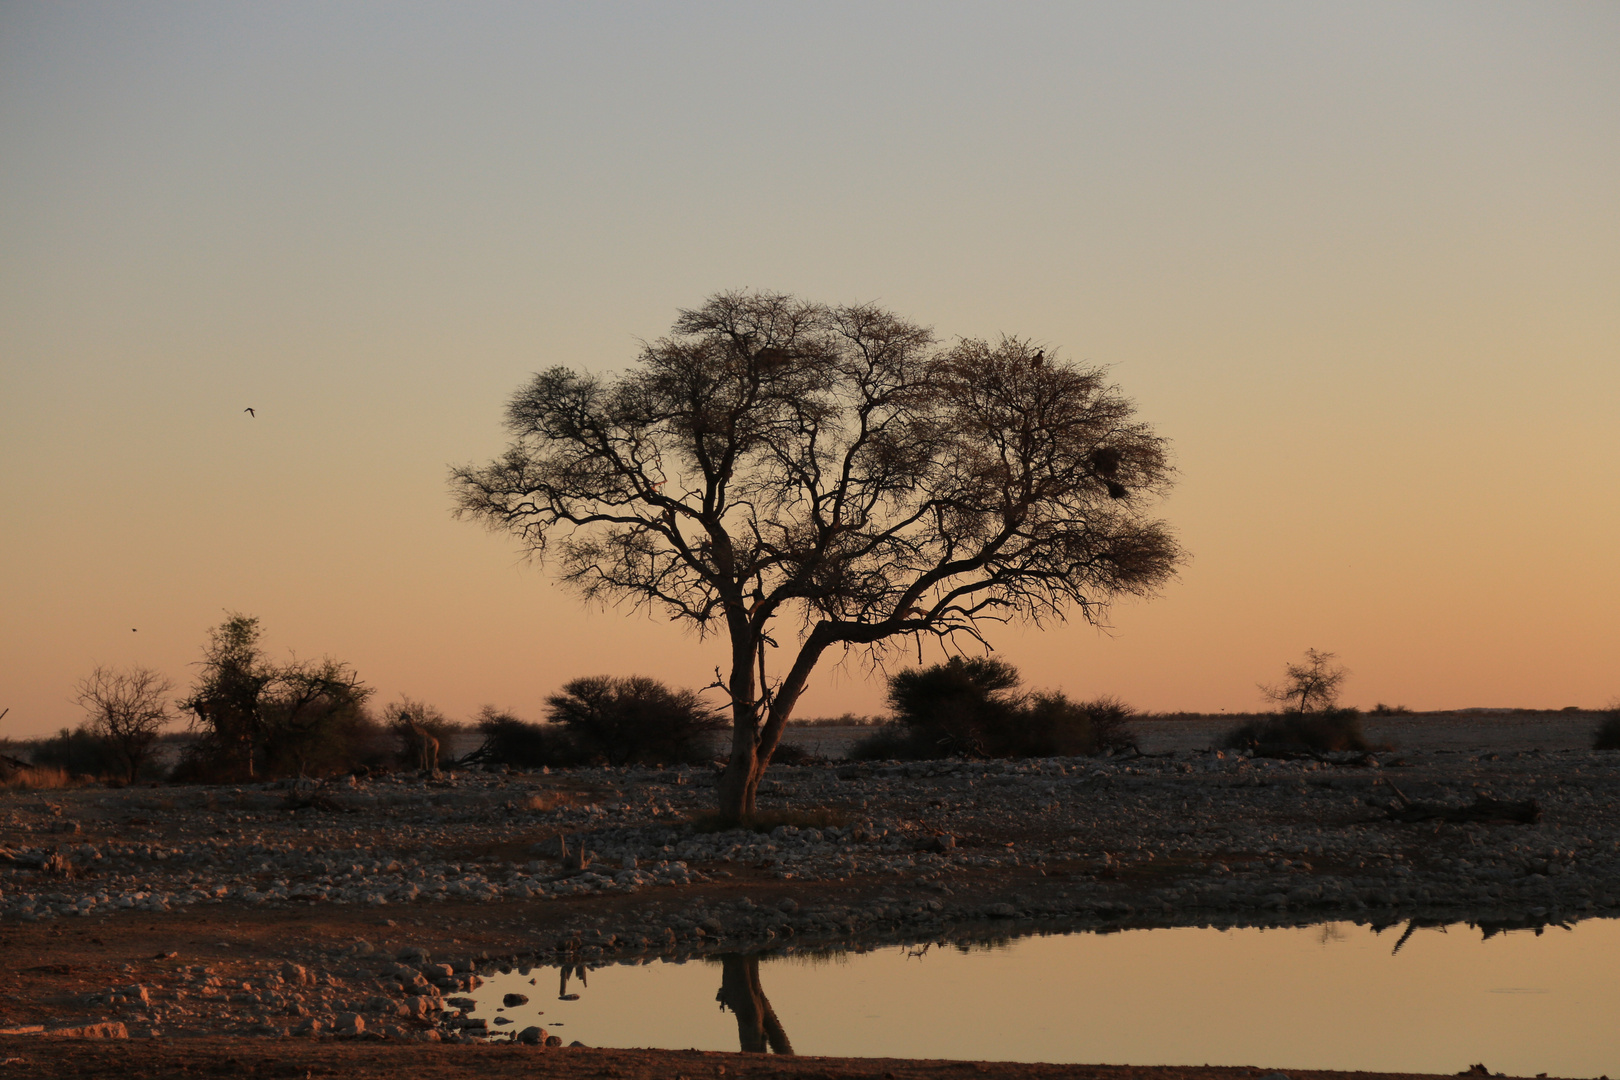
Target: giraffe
[427,746]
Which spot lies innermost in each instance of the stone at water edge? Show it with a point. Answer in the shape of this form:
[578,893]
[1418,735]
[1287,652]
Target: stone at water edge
[512,1001]
[111,1029]
[531,1036]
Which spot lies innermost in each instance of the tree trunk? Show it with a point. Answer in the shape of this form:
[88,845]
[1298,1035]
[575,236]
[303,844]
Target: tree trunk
[758,1029]
[740,781]
[751,745]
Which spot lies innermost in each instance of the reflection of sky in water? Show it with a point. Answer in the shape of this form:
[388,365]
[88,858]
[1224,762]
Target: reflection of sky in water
[1327,997]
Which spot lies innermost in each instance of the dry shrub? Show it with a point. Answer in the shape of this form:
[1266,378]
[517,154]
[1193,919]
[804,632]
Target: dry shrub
[1288,733]
[1607,735]
[78,752]
[790,754]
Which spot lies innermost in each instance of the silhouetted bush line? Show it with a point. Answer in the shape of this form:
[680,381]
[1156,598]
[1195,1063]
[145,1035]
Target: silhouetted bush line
[77,752]
[972,707]
[848,719]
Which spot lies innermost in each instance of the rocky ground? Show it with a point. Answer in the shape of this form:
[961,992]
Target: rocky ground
[371,909]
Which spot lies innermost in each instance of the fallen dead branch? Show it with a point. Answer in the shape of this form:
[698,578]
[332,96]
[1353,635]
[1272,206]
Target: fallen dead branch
[1483,809]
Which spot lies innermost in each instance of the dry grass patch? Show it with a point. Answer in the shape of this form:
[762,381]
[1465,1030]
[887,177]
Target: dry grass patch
[42,778]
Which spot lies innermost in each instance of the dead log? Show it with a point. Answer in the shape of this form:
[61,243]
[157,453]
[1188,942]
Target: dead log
[1482,810]
[10,766]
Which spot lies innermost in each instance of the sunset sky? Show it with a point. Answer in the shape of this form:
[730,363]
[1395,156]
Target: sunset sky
[1360,264]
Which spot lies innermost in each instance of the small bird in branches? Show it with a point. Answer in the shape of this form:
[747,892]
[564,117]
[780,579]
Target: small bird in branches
[1038,359]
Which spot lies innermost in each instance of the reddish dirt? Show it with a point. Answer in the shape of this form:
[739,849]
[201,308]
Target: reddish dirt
[64,1059]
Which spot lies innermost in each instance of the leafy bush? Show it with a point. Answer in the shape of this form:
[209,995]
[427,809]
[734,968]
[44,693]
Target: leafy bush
[1607,735]
[970,707]
[965,707]
[1322,732]
[633,719]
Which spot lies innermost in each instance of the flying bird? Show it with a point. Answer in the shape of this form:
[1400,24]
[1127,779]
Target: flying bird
[251,413]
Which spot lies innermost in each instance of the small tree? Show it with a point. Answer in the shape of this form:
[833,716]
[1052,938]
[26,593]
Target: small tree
[776,461]
[1311,720]
[1309,687]
[127,709]
[315,716]
[227,701]
[276,716]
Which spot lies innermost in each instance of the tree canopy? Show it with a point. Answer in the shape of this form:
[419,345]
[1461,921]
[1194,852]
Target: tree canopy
[833,470]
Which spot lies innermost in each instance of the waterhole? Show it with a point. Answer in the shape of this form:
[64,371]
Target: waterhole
[1402,998]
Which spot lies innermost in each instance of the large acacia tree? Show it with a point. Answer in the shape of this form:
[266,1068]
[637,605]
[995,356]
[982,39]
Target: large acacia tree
[796,478]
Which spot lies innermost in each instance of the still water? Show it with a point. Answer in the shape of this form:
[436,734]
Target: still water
[1333,996]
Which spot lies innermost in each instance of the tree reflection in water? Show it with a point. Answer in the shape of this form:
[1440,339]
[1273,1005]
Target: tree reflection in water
[757,1025]
[578,971]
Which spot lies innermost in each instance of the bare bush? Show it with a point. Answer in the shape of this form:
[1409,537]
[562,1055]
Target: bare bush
[127,709]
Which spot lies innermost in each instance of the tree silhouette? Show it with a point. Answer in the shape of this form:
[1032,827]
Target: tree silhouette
[832,468]
[127,709]
[1310,686]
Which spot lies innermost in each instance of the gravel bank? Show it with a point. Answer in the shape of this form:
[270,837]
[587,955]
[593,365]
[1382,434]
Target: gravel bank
[883,853]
